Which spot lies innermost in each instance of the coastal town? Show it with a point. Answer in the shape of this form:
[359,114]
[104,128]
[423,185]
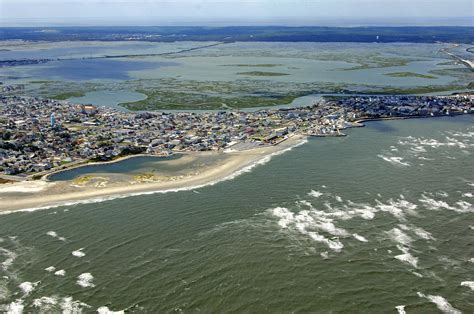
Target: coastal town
[39,135]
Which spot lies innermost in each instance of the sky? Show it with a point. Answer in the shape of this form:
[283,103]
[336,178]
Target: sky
[234,12]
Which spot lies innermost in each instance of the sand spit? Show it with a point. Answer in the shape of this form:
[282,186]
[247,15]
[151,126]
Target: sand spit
[64,193]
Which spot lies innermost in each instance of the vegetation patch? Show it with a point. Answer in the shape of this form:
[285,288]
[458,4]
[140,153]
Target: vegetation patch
[3,181]
[83,180]
[410,74]
[66,95]
[261,73]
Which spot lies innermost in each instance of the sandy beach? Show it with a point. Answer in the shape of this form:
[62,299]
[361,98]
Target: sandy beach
[33,195]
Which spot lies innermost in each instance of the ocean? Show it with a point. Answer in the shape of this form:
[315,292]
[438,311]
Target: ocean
[379,221]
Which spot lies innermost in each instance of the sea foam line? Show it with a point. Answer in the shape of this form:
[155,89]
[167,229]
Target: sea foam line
[246,169]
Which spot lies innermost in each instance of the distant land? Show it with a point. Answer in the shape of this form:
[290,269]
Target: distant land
[413,34]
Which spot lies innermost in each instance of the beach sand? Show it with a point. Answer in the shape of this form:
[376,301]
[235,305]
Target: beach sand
[32,195]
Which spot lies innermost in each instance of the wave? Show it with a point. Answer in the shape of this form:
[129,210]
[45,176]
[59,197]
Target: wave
[407,257]
[315,194]
[399,236]
[106,310]
[54,234]
[441,303]
[10,258]
[359,237]
[432,204]
[246,169]
[79,253]
[27,287]
[50,269]
[69,305]
[15,307]
[469,284]
[397,161]
[46,304]
[60,272]
[401,309]
[305,222]
[398,208]
[85,280]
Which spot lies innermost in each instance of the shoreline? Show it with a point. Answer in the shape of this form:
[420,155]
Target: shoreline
[31,195]
[46,194]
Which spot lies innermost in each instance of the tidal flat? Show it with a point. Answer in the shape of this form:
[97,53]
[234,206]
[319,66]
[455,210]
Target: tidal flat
[209,75]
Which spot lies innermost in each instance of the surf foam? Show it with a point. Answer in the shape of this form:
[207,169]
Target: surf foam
[106,310]
[85,280]
[441,303]
[79,253]
[469,284]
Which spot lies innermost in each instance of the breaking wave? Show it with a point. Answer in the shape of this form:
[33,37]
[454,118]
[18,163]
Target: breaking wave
[441,303]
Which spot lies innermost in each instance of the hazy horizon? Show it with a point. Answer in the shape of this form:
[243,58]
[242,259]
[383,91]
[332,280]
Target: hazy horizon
[235,13]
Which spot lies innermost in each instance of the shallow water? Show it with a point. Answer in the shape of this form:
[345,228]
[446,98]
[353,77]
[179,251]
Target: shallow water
[304,62]
[143,164]
[108,98]
[365,223]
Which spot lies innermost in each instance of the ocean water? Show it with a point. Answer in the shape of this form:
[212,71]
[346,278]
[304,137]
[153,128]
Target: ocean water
[95,69]
[379,221]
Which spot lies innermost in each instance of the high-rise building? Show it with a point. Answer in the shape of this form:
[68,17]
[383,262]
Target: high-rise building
[52,120]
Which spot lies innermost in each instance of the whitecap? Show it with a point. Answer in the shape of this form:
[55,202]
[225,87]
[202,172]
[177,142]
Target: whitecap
[441,303]
[78,253]
[55,235]
[286,216]
[315,194]
[11,256]
[401,309]
[60,272]
[407,257]
[397,161]
[468,195]
[27,287]
[469,284]
[85,280]
[106,310]
[50,269]
[334,244]
[16,307]
[420,232]
[432,204]
[442,193]
[45,303]
[306,221]
[398,208]
[52,234]
[423,233]
[359,237]
[399,236]
[69,305]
